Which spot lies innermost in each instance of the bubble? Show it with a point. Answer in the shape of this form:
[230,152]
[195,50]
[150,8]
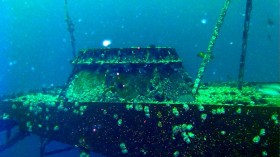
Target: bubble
[203,21]
[80,20]
[106,43]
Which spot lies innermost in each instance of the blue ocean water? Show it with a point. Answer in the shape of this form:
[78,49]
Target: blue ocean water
[35,48]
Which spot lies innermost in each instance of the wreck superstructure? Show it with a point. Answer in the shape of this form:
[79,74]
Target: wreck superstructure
[138,102]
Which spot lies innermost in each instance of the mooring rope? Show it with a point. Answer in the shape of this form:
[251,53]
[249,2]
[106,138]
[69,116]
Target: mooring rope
[244,43]
[70,28]
[208,56]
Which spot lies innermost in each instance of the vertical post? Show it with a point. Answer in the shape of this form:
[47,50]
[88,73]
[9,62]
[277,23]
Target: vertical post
[70,28]
[244,43]
[211,44]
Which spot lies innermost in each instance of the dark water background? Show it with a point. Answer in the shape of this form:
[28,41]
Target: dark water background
[35,48]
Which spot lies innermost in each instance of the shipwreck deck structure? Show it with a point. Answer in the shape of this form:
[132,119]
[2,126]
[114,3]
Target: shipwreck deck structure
[138,102]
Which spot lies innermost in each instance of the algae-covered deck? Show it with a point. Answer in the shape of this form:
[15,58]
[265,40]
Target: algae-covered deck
[242,123]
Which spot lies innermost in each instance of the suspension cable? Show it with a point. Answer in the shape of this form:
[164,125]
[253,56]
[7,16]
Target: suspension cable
[208,56]
[70,28]
[244,43]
